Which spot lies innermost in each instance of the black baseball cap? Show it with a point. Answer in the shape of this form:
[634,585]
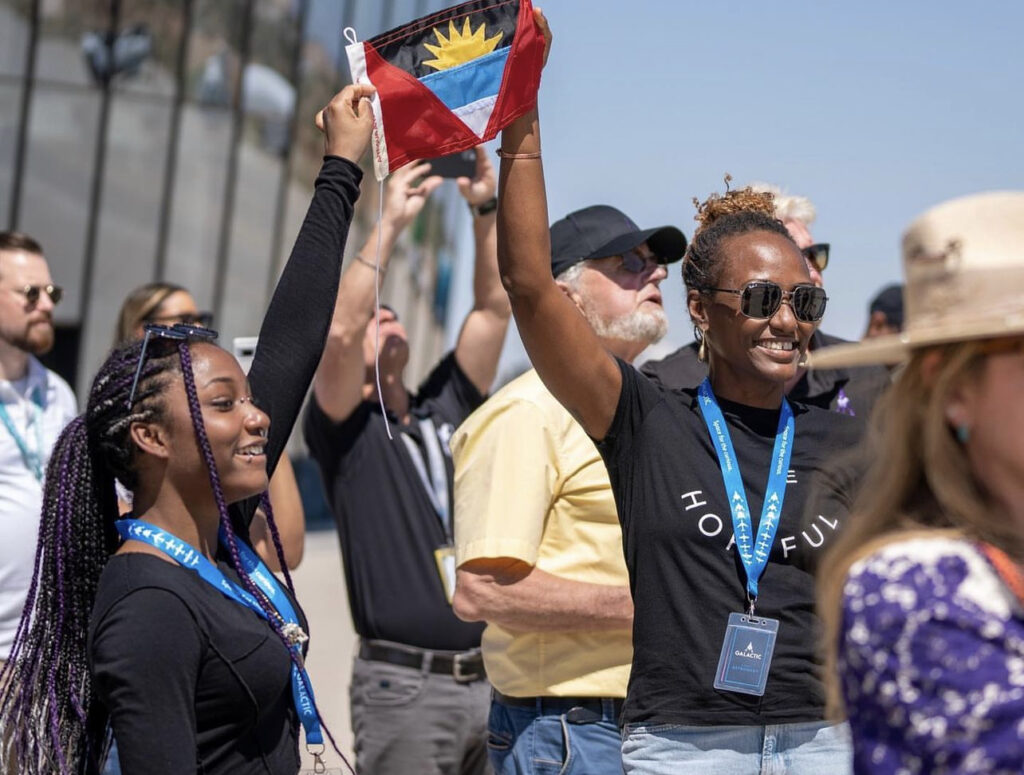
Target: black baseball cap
[601,231]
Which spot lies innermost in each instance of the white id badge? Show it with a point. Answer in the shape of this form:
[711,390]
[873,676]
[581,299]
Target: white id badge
[445,557]
[746,654]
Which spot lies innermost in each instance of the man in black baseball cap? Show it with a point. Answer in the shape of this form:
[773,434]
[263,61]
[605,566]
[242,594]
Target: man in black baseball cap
[611,269]
[601,231]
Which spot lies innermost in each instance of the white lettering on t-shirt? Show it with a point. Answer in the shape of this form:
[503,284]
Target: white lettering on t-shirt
[791,477]
[788,545]
[732,542]
[693,495]
[715,525]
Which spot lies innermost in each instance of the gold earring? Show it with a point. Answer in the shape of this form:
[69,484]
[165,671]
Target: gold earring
[702,350]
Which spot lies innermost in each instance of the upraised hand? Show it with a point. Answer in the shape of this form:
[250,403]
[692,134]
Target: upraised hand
[484,182]
[404,197]
[347,122]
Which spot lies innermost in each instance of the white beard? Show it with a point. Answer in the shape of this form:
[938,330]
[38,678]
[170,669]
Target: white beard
[641,326]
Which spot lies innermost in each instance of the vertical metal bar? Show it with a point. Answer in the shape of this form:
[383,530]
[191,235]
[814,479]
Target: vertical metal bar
[281,206]
[237,124]
[173,139]
[98,173]
[21,144]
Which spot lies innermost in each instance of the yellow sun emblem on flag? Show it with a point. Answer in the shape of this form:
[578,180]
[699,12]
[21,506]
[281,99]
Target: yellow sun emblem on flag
[460,47]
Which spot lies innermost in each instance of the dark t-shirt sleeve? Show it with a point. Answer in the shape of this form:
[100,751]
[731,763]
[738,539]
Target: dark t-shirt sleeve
[331,441]
[146,653]
[449,391]
[636,400]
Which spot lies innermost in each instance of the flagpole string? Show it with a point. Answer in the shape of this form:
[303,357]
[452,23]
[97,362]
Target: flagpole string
[376,307]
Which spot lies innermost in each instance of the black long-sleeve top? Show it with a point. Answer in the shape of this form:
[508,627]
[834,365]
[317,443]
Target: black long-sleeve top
[195,682]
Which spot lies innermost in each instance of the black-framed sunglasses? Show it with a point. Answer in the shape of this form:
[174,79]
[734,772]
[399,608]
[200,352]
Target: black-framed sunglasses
[634,263]
[33,292]
[179,331]
[203,319]
[817,254]
[761,299]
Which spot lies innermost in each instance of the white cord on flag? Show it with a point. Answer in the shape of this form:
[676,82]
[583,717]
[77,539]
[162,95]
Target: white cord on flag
[376,307]
[350,35]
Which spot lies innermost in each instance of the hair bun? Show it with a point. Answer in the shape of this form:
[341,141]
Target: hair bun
[733,201]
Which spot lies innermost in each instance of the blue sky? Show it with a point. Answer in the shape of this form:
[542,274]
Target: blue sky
[875,110]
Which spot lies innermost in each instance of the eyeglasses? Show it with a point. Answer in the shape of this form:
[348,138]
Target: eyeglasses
[179,331]
[33,292]
[634,263]
[817,254]
[202,319]
[761,299]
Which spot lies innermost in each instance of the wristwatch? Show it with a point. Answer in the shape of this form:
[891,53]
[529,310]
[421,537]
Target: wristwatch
[484,207]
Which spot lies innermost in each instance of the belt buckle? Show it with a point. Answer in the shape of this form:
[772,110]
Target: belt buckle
[458,671]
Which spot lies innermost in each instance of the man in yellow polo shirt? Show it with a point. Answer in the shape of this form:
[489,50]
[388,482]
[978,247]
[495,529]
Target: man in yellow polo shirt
[538,542]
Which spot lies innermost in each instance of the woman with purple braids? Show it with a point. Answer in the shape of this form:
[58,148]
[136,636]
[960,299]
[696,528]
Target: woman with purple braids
[165,628]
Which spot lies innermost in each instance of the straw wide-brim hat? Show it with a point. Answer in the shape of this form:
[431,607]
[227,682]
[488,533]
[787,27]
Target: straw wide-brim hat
[963,263]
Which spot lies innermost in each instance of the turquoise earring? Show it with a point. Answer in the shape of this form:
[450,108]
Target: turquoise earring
[963,433]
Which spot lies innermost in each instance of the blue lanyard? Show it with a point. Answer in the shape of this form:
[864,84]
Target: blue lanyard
[33,459]
[188,557]
[753,555]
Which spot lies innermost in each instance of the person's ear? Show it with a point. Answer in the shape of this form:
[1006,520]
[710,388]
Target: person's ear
[572,294]
[150,438]
[697,309]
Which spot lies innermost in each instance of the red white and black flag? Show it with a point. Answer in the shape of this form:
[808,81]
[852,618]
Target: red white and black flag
[449,81]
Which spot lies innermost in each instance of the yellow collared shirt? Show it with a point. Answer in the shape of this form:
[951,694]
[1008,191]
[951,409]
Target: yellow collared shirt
[530,484]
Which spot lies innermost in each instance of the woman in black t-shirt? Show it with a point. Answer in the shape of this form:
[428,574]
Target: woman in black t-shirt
[749,294]
[176,637]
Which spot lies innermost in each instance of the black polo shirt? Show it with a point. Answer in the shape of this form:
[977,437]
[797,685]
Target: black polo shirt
[387,524]
[852,391]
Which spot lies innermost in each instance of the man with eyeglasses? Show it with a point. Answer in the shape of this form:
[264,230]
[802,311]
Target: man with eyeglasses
[852,390]
[35,405]
[538,540]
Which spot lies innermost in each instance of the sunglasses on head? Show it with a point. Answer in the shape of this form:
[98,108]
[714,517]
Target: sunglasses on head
[817,254]
[33,292]
[761,299]
[181,332]
[202,319]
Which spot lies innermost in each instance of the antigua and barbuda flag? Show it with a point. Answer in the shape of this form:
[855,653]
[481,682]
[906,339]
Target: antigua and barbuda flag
[449,81]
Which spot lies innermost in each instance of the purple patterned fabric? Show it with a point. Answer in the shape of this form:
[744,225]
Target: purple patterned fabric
[931,660]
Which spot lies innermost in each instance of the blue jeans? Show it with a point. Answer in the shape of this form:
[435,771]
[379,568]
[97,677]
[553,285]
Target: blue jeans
[542,741]
[783,749]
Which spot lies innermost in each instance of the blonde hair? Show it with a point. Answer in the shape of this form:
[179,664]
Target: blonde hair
[788,207]
[139,305]
[920,480]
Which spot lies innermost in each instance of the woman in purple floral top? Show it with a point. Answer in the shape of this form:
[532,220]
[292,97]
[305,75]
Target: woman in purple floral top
[923,599]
